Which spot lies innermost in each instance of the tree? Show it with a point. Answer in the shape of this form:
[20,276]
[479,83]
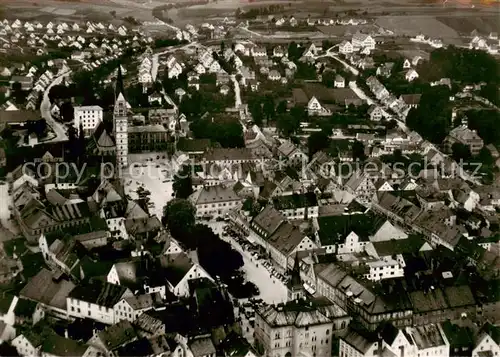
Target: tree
[317,141]
[255,108]
[328,78]
[294,52]
[179,216]
[299,113]
[67,112]
[358,151]
[216,256]
[228,134]
[282,106]
[18,94]
[268,107]
[486,123]
[39,127]
[287,124]
[183,184]
[222,47]
[460,152]
[432,117]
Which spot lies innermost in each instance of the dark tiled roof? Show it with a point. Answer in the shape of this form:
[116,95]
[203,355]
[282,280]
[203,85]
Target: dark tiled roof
[25,308]
[100,293]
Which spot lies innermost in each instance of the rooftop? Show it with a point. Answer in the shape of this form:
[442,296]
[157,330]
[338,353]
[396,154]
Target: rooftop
[214,194]
[99,293]
[295,201]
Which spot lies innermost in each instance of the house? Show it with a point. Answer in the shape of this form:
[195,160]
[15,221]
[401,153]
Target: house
[155,97]
[214,67]
[339,81]
[95,300]
[385,70]
[214,201]
[377,88]
[375,112]
[279,52]
[199,68]
[345,47]
[463,135]
[25,81]
[406,64]
[360,40]
[314,108]
[361,185]
[258,51]
[274,75]
[292,153]
[297,206]
[174,70]
[411,75]
[488,341]
[411,100]
[50,290]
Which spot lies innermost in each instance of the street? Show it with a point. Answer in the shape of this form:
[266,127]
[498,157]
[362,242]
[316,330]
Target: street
[237,92]
[58,128]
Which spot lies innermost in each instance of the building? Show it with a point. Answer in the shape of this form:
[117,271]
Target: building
[361,40]
[465,136]
[50,290]
[345,47]
[25,82]
[294,329]
[214,201]
[120,129]
[339,81]
[89,117]
[96,301]
[228,156]
[297,206]
[488,341]
[356,297]
[292,153]
[147,138]
[314,108]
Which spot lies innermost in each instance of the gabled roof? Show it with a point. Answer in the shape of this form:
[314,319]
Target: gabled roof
[117,335]
[269,219]
[99,293]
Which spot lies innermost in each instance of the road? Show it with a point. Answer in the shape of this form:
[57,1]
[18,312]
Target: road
[237,92]
[253,33]
[330,54]
[359,92]
[58,128]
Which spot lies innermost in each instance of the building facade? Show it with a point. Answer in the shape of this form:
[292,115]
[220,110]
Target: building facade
[89,117]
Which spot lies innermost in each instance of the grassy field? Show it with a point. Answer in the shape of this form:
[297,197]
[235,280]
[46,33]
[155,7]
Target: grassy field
[465,25]
[413,25]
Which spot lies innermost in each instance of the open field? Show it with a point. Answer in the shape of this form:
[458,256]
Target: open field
[413,25]
[465,25]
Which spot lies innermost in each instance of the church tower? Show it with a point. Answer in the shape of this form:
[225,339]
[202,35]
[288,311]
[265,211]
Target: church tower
[120,129]
[295,286]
